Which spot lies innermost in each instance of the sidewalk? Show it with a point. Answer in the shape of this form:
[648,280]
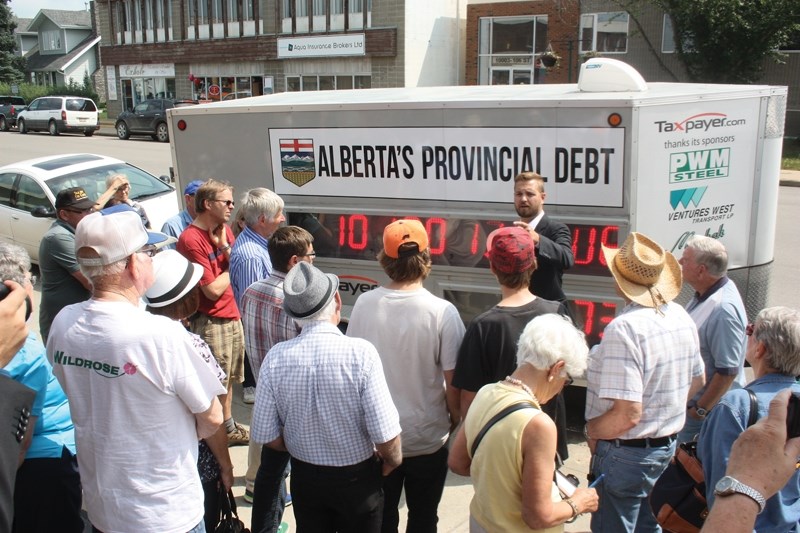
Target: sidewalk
[454,507]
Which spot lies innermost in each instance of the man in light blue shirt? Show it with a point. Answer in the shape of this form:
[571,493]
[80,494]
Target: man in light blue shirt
[262,212]
[719,313]
[175,225]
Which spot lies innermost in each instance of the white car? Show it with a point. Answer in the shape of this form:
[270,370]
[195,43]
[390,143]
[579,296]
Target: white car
[28,192]
[58,114]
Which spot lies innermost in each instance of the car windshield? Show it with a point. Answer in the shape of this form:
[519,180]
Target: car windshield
[93,181]
[80,104]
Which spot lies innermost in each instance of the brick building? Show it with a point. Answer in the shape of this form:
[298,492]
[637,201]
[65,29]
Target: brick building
[218,49]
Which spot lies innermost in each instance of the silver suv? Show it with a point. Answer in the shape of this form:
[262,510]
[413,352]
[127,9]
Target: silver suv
[59,114]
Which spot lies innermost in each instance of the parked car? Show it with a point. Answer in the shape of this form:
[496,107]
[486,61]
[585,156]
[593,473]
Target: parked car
[59,114]
[28,191]
[10,107]
[148,118]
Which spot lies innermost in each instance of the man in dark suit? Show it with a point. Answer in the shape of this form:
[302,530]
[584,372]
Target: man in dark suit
[553,256]
[16,398]
[553,239]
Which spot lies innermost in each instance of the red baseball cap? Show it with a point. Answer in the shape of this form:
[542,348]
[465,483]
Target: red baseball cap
[511,250]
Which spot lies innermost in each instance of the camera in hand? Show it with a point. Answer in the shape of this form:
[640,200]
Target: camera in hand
[5,291]
[793,416]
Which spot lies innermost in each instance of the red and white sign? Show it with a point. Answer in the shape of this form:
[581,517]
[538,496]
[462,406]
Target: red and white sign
[213,90]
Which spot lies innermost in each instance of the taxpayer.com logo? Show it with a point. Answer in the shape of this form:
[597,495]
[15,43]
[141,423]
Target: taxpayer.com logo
[699,123]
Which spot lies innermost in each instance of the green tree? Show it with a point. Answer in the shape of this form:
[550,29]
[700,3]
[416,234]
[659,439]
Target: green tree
[12,67]
[727,41]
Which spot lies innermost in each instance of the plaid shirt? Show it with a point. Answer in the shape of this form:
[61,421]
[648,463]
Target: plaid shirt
[647,358]
[326,394]
[265,323]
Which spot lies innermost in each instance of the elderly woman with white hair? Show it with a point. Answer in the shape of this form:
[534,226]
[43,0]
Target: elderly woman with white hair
[773,351]
[512,467]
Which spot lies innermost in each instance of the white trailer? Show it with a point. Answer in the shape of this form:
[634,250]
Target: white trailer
[619,155]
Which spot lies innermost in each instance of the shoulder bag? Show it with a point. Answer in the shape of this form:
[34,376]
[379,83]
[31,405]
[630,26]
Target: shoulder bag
[678,499]
[229,519]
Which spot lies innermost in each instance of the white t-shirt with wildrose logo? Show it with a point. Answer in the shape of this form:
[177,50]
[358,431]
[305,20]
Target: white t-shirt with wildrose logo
[134,381]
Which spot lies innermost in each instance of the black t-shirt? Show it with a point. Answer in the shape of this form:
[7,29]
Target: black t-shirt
[488,352]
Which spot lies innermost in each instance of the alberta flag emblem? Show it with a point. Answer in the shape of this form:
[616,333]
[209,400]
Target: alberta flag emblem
[297,160]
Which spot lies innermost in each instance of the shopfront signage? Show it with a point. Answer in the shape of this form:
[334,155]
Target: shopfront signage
[351,44]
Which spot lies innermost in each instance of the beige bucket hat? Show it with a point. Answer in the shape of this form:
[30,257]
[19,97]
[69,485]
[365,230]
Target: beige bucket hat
[644,271]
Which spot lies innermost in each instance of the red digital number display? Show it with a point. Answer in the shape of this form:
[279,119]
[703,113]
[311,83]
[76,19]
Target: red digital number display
[453,242]
[593,317]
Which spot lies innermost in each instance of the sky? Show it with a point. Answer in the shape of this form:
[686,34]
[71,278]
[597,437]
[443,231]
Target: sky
[27,9]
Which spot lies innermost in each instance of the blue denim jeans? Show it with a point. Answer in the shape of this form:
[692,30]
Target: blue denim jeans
[691,429]
[630,474]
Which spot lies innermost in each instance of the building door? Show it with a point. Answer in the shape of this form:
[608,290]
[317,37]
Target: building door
[127,95]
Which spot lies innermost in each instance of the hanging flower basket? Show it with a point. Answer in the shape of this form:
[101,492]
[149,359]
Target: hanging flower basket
[549,59]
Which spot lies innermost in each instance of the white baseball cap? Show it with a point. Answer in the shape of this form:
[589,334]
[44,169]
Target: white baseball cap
[114,236]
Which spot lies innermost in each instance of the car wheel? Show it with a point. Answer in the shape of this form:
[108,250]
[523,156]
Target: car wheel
[52,128]
[88,133]
[21,126]
[122,131]
[162,132]
[3,124]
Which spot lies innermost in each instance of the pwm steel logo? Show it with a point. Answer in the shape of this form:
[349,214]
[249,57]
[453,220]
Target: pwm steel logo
[297,160]
[699,165]
[686,197]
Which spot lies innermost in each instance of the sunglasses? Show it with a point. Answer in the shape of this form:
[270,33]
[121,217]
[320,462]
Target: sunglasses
[149,250]
[229,203]
[749,329]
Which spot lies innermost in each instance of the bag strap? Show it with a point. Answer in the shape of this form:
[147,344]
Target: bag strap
[495,419]
[227,503]
[753,417]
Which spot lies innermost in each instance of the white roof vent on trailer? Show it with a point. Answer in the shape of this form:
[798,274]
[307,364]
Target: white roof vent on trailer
[601,74]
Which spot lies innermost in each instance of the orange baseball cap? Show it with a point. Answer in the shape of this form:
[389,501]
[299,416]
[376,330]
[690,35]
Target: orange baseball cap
[401,232]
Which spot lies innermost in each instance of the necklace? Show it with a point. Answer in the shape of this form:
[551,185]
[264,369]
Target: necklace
[518,383]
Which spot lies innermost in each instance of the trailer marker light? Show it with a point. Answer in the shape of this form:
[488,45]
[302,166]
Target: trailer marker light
[614,120]
[181,124]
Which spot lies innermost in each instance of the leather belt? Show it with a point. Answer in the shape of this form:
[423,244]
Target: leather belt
[648,442]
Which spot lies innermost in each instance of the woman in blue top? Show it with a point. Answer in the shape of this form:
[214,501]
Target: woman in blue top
[47,497]
[773,350]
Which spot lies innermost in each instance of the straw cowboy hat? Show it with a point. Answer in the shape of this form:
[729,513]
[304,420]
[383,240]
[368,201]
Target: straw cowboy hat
[644,271]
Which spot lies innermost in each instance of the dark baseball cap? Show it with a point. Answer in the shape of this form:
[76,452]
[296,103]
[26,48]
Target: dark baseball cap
[74,197]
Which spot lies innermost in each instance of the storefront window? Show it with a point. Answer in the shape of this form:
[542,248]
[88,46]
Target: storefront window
[509,48]
[215,88]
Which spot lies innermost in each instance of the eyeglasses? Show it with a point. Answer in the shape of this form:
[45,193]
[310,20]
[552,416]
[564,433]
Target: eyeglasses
[149,250]
[750,329]
[33,280]
[569,381]
[312,255]
[229,203]
[124,187]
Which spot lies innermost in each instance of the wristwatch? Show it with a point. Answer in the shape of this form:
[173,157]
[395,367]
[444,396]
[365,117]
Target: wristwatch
[700,411]
[728,485]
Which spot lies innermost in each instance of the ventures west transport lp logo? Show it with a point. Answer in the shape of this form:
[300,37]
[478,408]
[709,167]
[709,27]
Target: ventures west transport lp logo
[297,160]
